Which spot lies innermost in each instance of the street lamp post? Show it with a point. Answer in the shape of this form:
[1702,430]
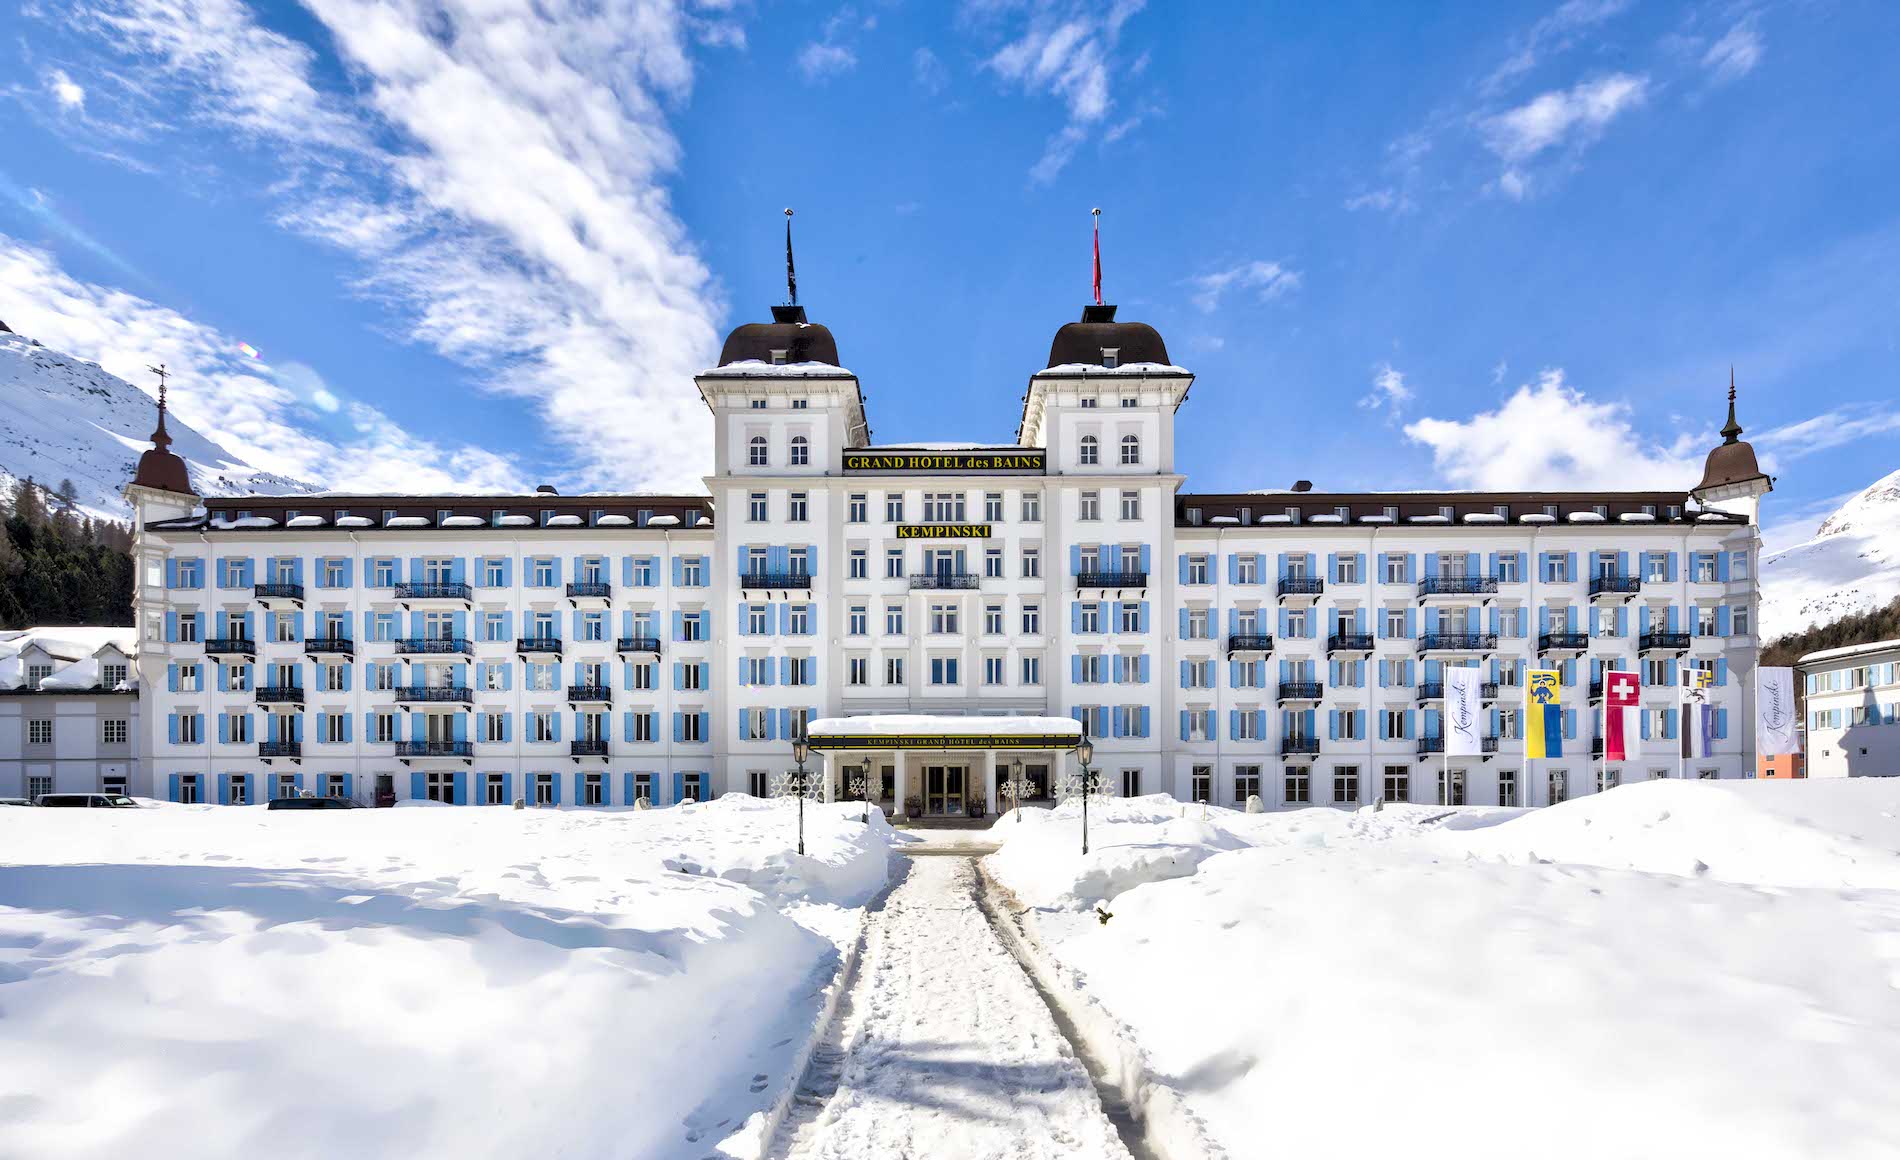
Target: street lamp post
[1016,786]
[801,751]
[1085,753]
[862,787]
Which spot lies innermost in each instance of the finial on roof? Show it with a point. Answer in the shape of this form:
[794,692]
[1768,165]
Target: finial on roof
[791,274]
[160,439]
[1732,430]
[158,468]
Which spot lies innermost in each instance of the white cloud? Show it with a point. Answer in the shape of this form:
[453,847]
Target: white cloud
[928,72]
[1268,280]
[1550,435]
[1830,429]
[1563,118]
[1389,392]
[1389,199]
[272,418]
[1553,34]
[835,51]
[1066,51]
[499,170]
[68,93]
[1736,54]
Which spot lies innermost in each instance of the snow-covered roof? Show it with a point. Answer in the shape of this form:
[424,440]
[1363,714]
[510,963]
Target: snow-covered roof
[564,521]
[896,725]
[1585,518]
[665,521]
[1853,650]
[464,522]
[406,522]
[517,521]
[756,368]
[1637,518]
[1483,518]
[305,522]
[1326,518]
[1536,518]
[957,446]
[1427,519]
[355,522]
[1224,520]
[75,653]
[613,521]
[219,521]
[1090,370]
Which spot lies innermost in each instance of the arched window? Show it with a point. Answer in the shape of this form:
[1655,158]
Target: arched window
[1089,457]
[755,451]
[801,451]
[1131,450]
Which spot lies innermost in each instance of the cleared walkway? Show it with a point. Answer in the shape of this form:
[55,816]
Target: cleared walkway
[942,1046]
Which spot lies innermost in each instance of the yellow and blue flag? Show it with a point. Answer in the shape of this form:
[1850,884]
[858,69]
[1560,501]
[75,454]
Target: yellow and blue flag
[1543,716]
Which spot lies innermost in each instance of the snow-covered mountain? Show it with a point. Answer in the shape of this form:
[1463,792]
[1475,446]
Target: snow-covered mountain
[1852,564]
[65,418]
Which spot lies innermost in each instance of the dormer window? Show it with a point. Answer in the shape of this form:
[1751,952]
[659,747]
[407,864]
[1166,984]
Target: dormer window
[778,357]
[1088,401]
[1111,356]
[801,404]
[758,404]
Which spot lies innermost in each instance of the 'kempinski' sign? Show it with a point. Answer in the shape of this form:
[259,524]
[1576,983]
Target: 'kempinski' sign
[943,531]
[947,462]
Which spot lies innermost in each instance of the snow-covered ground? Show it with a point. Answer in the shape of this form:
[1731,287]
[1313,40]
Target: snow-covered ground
[1668,969]
[424,981]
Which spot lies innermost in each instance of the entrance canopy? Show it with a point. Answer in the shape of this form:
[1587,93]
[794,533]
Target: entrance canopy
[920,731]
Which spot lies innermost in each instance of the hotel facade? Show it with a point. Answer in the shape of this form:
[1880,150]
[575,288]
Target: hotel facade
[599,649]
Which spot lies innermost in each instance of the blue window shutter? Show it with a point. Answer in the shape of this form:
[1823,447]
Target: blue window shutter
[1184,724]
[1332,724]
[1182,562]
[1411,622]
[1431,564]
[1075,559]
[1721,671]
[1233,724]
[1411,722]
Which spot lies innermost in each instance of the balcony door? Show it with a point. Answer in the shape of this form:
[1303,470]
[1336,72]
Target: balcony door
[438,625]
[1455,621]
[438,571]
[1451,565]
[437,676]
[438,728]
[594,727]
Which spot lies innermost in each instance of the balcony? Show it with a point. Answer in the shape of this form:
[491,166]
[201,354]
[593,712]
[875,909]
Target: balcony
[231,646]
[1615,586]
[1435,691]
[270,749]
[436,645]
[587,748]
[1562,642]
[1249,642]
[1301,691]
[1432,745]
[538,646]
[1299,746]
[590,590]
[428,590]
[1457,586]
[435,749]
[638,644]
[590,693]
[1349,642]
[1118,579]
[945,581]
[272,592]
[1458,642]
[434,694]
[329,646]
[280,694]
[1301,586]
[1668,641]
[774,580]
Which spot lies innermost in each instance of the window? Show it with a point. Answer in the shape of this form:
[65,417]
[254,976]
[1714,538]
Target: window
[1398,783]
[856,671]
[333,724]
[1131,617]
[494,790]
[1131,505]
[1246,782]
[943,507]
[188,789]
[857,620]
[943,671]
[755,451]
[796,507]
[1738,566]
[1197,674]
[756,508]
[188,729]
[541,573]
[1298,787]
[1032,507]
[543,789]
[1090,402]
[1556,567]
[1032,670]
[1200,724]
[893,670]
[1131,450]
[1032,563]
[1091,669]
[801,451]
[993,563]
[1738,620]
[993,507]
[1507,787]
[1197,624]
[893,563]
[893,620]
[1346,568]
[1559,785]
[798,619]
[857,508]
[993,671]
[1457,788]
[993,620]
[1089,454]
[1197,569]
[494,726]
[894,508]
[692,575]
[1090,506]
[1345,784]
[39,731]
[1032,619]
[1247,568]
[1395,720]
[114,731]
[1509,569]
[1705,620]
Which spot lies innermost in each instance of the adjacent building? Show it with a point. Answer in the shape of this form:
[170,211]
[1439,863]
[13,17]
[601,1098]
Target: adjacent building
[1286,643]
[1853,710]
[69,712]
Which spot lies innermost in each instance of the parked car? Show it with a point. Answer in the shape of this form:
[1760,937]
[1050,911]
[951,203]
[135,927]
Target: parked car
[312,803]
[82,801]
[14,802]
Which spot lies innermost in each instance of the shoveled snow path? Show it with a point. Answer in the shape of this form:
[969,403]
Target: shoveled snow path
[942,1046]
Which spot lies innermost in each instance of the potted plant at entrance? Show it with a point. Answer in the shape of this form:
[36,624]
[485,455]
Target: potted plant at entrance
[913,806]
[974,807]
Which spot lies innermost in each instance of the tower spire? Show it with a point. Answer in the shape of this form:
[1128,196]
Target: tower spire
[791,273]
[1732,430]
[160,439]
[1096,213]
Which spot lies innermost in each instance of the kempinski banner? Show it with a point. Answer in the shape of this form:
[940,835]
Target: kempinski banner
[948,462]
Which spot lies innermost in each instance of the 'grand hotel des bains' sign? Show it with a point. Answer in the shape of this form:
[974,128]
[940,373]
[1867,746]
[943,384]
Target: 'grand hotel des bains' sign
[1030,459]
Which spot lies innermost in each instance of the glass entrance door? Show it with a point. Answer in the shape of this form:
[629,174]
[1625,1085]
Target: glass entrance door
[943,789]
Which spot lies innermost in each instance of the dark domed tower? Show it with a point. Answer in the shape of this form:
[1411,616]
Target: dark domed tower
[1732,480]
[1107,398]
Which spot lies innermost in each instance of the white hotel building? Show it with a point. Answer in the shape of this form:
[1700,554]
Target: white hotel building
[595,649]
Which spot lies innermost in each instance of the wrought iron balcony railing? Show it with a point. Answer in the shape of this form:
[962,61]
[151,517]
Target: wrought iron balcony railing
[434,590]
[944,580]
[638,644]
[590,588]
[1121,578]
[1435,690]
[774,580]
[330,645]
[1349,642]
[1663,640]
[449,645]
[1458,642]
[1436,744]
[1301,585]
[280,749]
[434,693]
[435,749]
[539,644]
[1249,642]
[1457,585]
[1294,745]
[1562,642]
[242,646]
[1615,585]
[590,693]
[587,748]
[1301,690]
[277,592]
[280,694]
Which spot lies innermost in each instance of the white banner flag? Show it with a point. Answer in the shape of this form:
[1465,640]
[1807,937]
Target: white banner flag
[1775,712]
[1464,701]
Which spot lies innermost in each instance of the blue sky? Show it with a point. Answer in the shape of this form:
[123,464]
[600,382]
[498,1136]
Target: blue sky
[1402,246]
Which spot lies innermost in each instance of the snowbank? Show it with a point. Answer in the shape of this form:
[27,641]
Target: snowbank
[1485,1002]
[217,981]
